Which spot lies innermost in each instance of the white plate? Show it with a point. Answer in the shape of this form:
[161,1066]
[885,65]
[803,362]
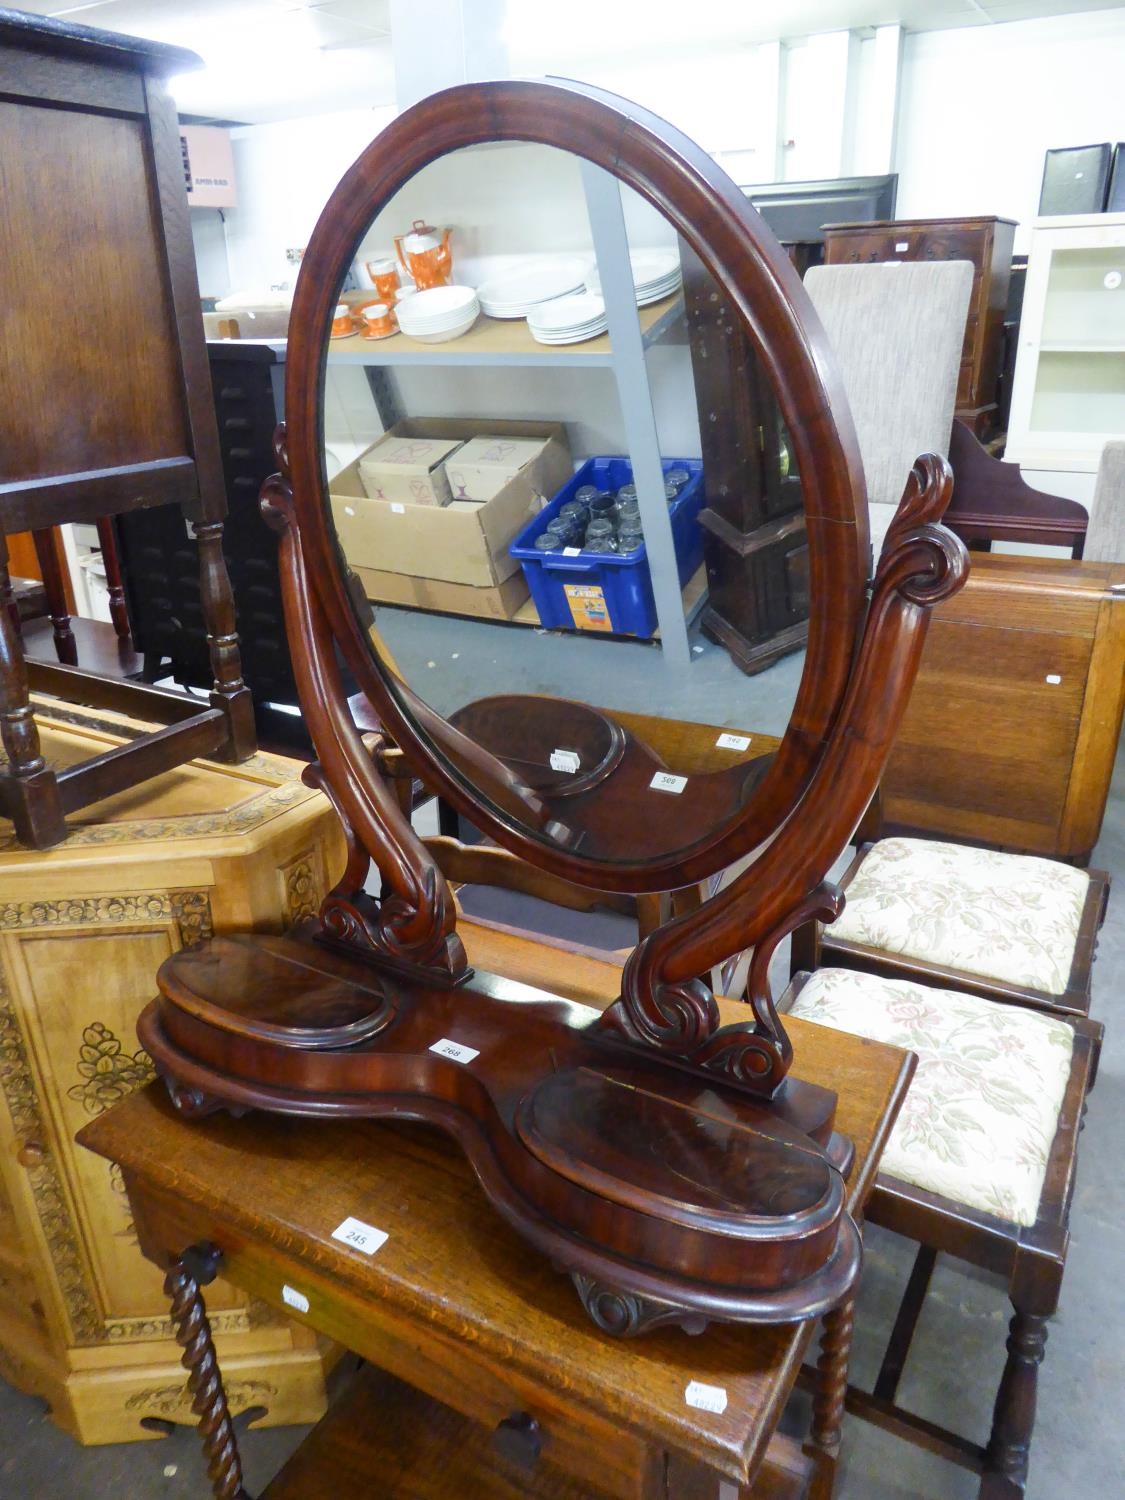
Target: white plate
[572,337]
[565,313]
[510,294]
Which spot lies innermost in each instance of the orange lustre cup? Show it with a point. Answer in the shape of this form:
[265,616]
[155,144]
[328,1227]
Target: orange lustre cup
[378,320]
[342,321]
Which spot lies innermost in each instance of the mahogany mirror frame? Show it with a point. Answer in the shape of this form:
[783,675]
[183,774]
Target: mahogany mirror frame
[683,184]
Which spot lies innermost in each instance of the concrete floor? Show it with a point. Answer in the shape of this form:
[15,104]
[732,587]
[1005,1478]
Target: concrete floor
[1079,1447]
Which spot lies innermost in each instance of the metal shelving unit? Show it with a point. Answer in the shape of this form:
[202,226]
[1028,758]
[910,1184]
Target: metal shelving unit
[632,332]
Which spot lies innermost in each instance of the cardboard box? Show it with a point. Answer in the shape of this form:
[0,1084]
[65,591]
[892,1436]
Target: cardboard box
[406,468]
[484,465]
[502,602]
[462,542]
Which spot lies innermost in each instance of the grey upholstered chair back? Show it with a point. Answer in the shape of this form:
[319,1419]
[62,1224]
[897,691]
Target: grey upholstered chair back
[897,329]
[1105,535]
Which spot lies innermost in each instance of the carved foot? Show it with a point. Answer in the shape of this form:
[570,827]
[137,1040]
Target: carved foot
[199,1265]
[624,1315]
[193,1103]
[1013,1417]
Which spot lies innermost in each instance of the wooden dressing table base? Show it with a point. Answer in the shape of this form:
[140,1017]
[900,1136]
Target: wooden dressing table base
[456,1306]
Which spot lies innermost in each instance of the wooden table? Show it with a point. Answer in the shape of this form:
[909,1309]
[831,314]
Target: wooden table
[456,1309]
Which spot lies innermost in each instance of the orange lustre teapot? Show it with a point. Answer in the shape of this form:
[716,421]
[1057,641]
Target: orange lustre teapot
[425,255]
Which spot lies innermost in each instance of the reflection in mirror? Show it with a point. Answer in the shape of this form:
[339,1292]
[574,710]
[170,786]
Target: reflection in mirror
[526,463]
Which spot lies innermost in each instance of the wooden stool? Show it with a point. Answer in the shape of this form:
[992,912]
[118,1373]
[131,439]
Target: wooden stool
[1009,927]
[981,1165]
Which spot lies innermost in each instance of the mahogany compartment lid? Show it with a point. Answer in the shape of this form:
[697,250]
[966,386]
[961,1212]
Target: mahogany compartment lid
[712,1158]
[290,995]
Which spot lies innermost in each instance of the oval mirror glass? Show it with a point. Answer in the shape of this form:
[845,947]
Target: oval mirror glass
[564,479]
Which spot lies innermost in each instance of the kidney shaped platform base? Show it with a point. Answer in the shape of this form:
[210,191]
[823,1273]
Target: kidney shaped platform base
[666,1194]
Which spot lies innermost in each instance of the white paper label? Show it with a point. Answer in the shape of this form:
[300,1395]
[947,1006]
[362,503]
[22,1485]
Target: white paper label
[733,742]
[1053,678]
[455,1050]
[705,1397]
[565,760]
[572,552]
[360,1236]
[292,1298]
[399,510]
[664,781]
[901,246]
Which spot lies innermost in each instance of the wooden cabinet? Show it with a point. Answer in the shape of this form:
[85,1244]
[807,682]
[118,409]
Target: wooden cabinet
[1012,727]
[754,537]
[987,243]
[201,849]
[118,416]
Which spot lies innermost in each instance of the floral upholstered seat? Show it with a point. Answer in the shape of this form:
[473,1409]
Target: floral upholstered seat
[1009,917]
[982,1110]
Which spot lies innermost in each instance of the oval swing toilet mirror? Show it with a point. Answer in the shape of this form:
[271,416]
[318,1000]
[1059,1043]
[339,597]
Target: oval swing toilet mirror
[598,756]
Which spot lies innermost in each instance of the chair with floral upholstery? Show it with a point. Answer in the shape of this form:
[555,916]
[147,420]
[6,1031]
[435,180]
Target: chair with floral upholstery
[1009,927]
[980,1165]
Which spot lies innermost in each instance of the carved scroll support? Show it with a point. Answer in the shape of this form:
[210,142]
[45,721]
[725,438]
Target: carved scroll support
[411,925]
[663,1002]
[198,1266]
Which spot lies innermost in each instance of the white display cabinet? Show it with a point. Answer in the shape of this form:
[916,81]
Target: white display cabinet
[1068,397]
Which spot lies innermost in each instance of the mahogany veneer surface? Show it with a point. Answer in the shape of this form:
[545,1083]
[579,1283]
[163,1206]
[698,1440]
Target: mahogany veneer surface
[455,1303]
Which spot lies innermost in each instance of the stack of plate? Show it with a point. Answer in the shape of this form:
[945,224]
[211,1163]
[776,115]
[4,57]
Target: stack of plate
[656,274]
[437,315]
[514,292]
[568,320]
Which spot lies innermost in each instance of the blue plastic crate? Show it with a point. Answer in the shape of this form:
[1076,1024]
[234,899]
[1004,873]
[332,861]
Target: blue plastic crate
[601,591]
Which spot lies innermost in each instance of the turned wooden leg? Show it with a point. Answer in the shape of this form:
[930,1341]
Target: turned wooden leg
[217,598]
[1013,1416]
[200,1264]
[118,612]
[829,1392]
[29,792]
[9,603]
[51,566]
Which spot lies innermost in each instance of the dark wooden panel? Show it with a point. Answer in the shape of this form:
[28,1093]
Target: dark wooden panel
[78,212]
[71,81]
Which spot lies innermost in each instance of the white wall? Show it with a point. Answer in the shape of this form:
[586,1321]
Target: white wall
[979,107]
[285,173]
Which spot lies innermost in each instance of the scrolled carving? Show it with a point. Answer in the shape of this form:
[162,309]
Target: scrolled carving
[922,561]
[757,1055]
[674,1017]
[624,1315]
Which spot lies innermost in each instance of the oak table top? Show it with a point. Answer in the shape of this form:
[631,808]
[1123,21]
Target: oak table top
[454,1303]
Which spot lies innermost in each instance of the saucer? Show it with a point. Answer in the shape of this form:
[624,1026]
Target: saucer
[375,337]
